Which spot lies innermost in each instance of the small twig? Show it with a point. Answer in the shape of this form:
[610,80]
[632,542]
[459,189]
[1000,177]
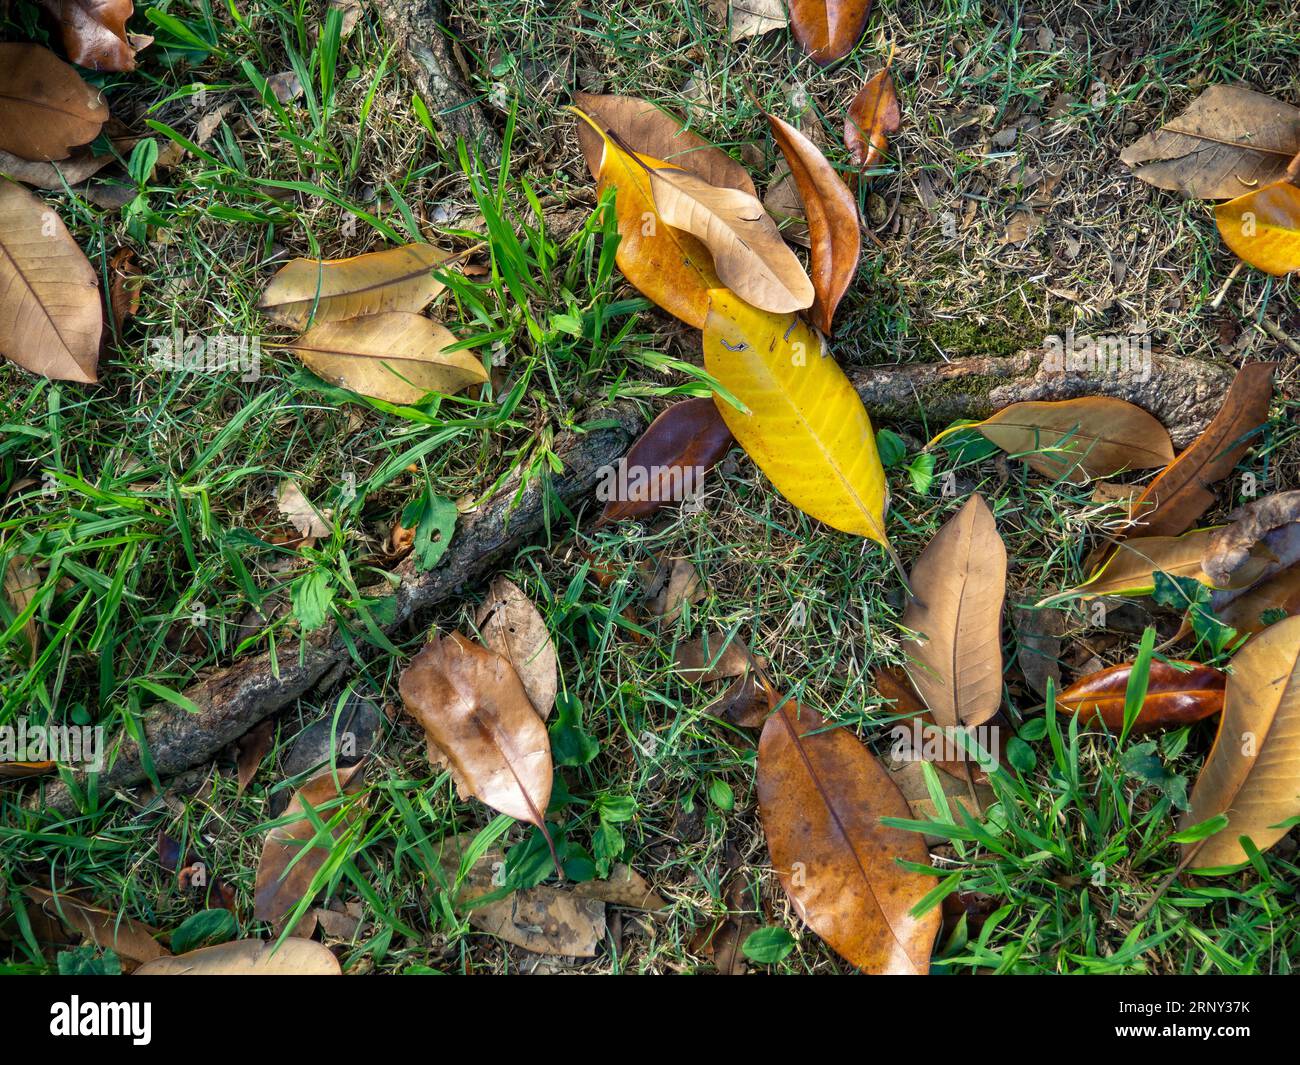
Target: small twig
[1218,300]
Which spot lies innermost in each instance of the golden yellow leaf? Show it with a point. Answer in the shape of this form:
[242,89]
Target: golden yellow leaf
[1263,227]
[806,428]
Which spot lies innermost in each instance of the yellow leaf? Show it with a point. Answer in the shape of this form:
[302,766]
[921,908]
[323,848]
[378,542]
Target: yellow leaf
[806,427]
[1263,227]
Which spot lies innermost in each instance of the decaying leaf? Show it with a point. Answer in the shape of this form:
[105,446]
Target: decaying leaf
[1038,646]
[252,748]
[873,117]
[958,584]
[909,778]
[806,427]
[821,795]
[315,290]
[249,957]
[511,626]
[651,131]
[1263,228]
[398,356]
[668,460]
[125,279]
[670,585]
[473,707]
[749,698]
[193,874]
[624,887]
[127,937]
[782,202]
[1229,141]
[1180,493]
[926,742]
[95,34]
[1073,439]
[47,108]
[285,873]
[301,512]
[1249,611]
[828,29]
[1231,546]
[749,18]
[832,216]
[21,583]
[71,171]
[1252,773]
[1175,696]
[50,312]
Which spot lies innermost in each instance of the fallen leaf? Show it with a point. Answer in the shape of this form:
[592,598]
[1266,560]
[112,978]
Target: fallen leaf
[192,872]
[109,931]
[315,290]
[749,698]
[95,34]
[249,957]
[71,171]
[1073,439]
[50,312]
[1180,493]
[472,706]
[650,131]
[1246,610]
[624,887]
[782,202]
[821,795]
[397,356]
[670,585]
[510,625]
[285,86]
[958,584]
[832,217]
[909,778]
[828,29]
[806,427]
[670,457]
[301,512]
[749,255]
[125,280]
[1231,546]
[1252,772]
[21,583]
[1175,697]
[351,16]
[207,125]
[1263,228]
[1228,141]
[750,18]
[893,685]
[47,108]
[873,117]
[1038,646]
[284,872]
[252,748]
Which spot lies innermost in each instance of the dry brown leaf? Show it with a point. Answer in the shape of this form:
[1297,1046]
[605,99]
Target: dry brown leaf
[958,584]
[1245,610]
[252,748]
[71,171]
[873,117]
[46,109]
[21,583]
[1231,546]
[397,279]
[625,887]
[398,356]
[249,957]
[301,512]
[909,778]
[125,281]
[95,34]
[128,938]
[670,585]
[828,29]
[511,626]
[782,202]
[51,317]
[750,18]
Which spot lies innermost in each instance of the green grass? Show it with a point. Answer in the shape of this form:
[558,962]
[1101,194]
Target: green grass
[153,494]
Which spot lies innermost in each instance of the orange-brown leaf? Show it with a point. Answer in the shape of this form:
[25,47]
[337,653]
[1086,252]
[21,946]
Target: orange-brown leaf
[828,29]
[46,109]
[95,35]
[874,116]
[1175,697]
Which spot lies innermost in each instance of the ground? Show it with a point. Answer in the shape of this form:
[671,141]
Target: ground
[161,480]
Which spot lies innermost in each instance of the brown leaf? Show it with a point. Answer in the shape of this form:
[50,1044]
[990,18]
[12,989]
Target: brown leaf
[1230,546]
[1175,697]
[249,957]
[1245,611]
[511,626]
[21,583]
[828,29]
[285,873]
[873,117]
[927,743]
[1229,141]
[909,778]
[832,216]
[473,707]
[50,313]
[253,746]
[1180,493]
[670,584]
[109,931]
[821,795]
[958,584]
[1038,646]
[1252,773]
[749,18]
[71,171]
[301,512]
[625,887]
[48,109]
[782,202]
[749,698]
[192,872]
[95,34]
[648,130]
[670,457]
[125,279]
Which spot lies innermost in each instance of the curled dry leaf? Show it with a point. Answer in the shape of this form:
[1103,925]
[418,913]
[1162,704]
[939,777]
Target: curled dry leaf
[821,795]
[473,708]
[249,957]
[125,281]
[828,29]
[315,290]
[668,461]
[1252,773]
[301,512]
[1263,228]
[782,202]
[650,131]
[832,217]
[1231,546]
[958,584]
[873,117]
[1229,141]
[749,698]
[46,109]
[398,356]
[749,255]
[51,317]
[669,267]
[108,931]
[285,873]
[624,887]
[1248,611]
[805,426]
[1073,439]
[670,585]
[95,34]
[1180,493]
[1175,696]
[511,626]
